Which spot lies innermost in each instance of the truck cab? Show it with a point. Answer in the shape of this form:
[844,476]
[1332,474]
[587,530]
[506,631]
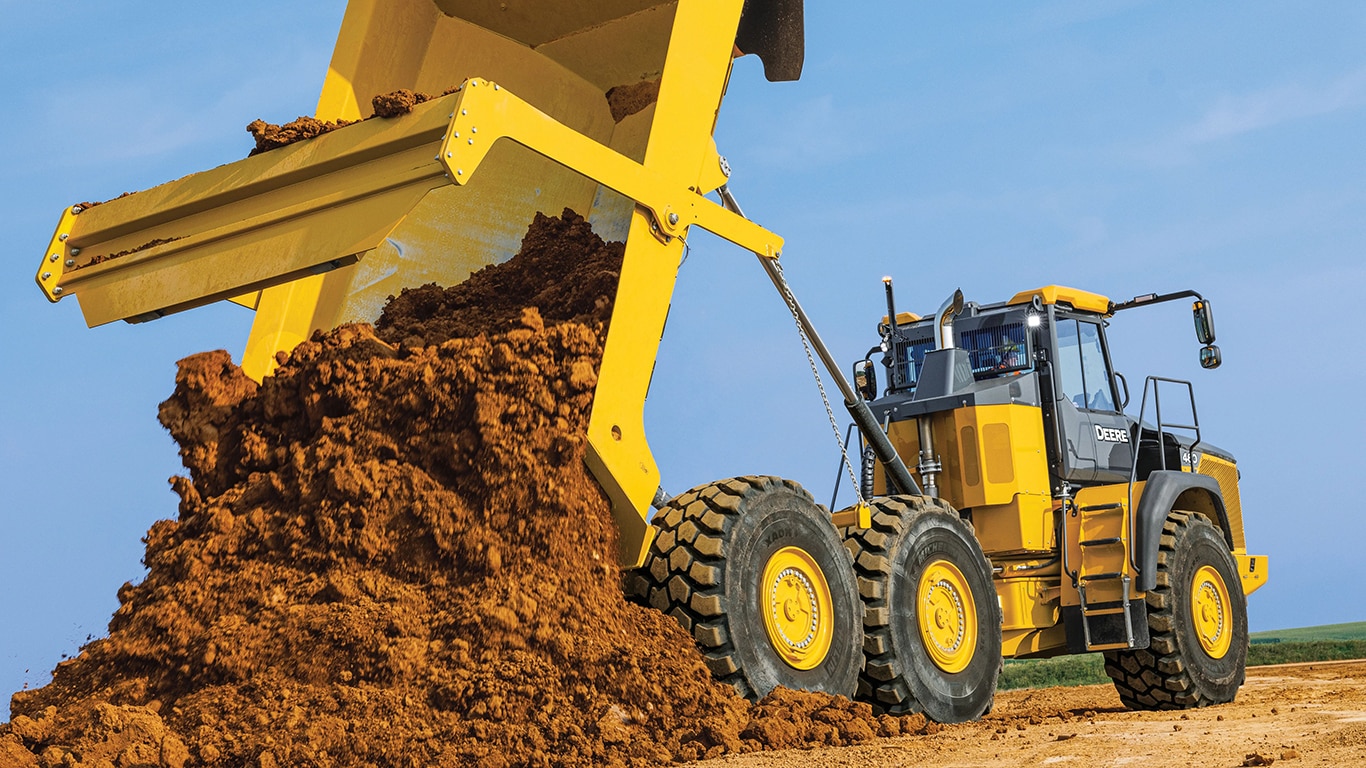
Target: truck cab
[1013,414]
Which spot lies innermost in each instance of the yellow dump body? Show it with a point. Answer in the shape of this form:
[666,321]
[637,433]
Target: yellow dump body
[319,233]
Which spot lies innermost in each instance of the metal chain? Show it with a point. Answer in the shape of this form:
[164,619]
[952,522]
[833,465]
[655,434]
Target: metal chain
[820,385]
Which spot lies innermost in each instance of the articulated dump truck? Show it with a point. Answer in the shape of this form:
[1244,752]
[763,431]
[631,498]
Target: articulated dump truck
[1040,519]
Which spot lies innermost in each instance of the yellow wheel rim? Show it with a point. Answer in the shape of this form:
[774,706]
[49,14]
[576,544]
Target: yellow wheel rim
[798,611]
[1210,612]
[947,616]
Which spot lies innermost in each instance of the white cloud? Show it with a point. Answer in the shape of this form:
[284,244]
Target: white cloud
[815,133]
[1236,115]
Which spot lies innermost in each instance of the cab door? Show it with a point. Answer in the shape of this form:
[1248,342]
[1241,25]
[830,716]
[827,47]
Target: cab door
[1095,433]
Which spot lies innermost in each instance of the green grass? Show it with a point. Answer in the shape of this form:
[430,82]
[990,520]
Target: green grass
[1315,650]
[1082,669]
[1354,631]
[1326,643]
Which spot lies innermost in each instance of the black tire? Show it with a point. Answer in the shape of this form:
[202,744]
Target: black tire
[909,534]
[706,566]
[1176,671]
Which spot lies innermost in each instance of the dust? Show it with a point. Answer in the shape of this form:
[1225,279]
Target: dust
[390,552]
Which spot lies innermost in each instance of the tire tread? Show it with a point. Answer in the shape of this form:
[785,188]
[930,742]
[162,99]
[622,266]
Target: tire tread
[1158,678]
[691,546]
[883,681]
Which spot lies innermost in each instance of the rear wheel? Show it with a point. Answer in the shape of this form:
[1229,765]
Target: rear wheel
[932,622]
[752,567]
[1197,619]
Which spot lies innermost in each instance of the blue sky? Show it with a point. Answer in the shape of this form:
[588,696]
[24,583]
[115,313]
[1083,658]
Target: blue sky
[1121,147]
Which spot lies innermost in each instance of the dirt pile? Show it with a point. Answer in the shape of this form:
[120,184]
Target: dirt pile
[390,552]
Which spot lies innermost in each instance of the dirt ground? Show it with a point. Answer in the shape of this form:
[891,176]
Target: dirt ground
[1297,715]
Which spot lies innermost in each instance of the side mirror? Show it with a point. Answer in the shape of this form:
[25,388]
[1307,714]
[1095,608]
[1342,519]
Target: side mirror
[865,379]
[1204,324]
[1210,357]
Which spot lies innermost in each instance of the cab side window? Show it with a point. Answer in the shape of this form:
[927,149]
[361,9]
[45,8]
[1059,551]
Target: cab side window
[1069,363]
[1081,366]
[1093,368]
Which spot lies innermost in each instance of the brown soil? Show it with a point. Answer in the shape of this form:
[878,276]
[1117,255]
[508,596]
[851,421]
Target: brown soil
[391,553]
[400,102]
[1296,715]
[564,270]
[271,136]
[626,100]
[100,259]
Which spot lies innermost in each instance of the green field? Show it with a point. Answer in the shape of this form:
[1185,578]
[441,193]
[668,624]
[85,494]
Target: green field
[1325,643]
[1354,631]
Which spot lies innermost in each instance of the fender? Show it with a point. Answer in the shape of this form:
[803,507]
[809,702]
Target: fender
[1160,493]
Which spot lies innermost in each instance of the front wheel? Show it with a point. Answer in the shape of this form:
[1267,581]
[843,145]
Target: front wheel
[931,617]
[752,567]
[1197,619]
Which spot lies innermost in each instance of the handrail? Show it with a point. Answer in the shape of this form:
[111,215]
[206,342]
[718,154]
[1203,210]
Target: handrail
[844,460]
[1161,427]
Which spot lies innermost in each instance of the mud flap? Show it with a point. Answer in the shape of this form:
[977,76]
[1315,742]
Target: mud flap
[1107,630]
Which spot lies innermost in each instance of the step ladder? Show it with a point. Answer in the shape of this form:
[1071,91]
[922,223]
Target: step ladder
[1104,568]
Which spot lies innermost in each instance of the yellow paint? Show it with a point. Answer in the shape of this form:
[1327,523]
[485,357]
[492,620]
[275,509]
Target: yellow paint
[946,616]
[1226,474]
[1095,525]
[1251,570]
[996,465]
[248,300]
[53,265]
[690,93]
[1054,294]
[1211,612]
[286,323]
[262,221]
[487,113]
[858,516]
[1028,602]
[797,608]
[903,318]
[1022,643]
